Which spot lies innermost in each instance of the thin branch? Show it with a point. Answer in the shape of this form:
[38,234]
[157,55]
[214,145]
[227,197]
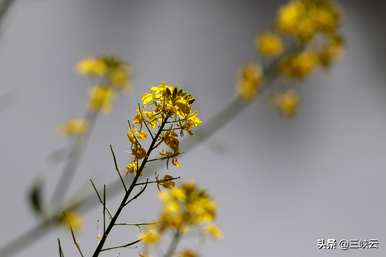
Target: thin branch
[158,144]
[136,224]
[123,203]
[99,197]
[138,194]
[157,181]
[136,139]
[164,158]
[117,168]
[76,242]
[104,208]
[145,122]
[121,246]
[60,249]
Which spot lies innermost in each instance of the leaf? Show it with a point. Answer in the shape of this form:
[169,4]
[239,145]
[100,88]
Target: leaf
[35,197]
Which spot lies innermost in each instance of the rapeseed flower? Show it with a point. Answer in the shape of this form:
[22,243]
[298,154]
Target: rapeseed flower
[74,127]
[269,44]
[287,103]
[71,220]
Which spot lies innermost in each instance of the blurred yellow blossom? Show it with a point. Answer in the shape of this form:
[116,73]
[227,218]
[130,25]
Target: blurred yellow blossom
[150,236]
[269,44]
[213,230]
[304,18]
[120,78]
[92,67]
[331,51]
[251,77]
[188,253]
[299,65]
[289,16]
[114,75]
[306,36]
[100,98]
[74,127]
[184,208]
[71,220]
[287,103]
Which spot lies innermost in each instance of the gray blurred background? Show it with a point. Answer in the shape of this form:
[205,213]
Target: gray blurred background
[280,185]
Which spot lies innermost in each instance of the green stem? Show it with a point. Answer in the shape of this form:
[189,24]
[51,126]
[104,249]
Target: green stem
[73,161]
[173,245]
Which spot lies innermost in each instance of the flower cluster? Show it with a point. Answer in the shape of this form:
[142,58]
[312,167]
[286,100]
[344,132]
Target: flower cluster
[112,75]
[165,109]
[185,208]
[305,36]
[250,81]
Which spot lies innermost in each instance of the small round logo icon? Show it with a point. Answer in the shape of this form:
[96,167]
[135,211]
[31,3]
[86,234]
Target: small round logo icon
[344,244]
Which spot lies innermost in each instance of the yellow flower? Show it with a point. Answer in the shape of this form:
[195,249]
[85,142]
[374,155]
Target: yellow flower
[192,121]
[250,80]
[185,207]
[269,44]
[72,220]
[171,139]
[178,194]
[134,135]
[131,167]
[150,237]
[74,127]
[188,253]
[287,103]
[92,67]
[139,152]
[120,78]
[169,99]
[306,29]
[302,19]
[299,65]
[176,163]
[214,231]
[288,16]
[167,182]
[331,52]
[171,208]
[164,196]
[325,17]
[100,98]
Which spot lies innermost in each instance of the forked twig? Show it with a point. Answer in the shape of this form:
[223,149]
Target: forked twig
[117,168]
